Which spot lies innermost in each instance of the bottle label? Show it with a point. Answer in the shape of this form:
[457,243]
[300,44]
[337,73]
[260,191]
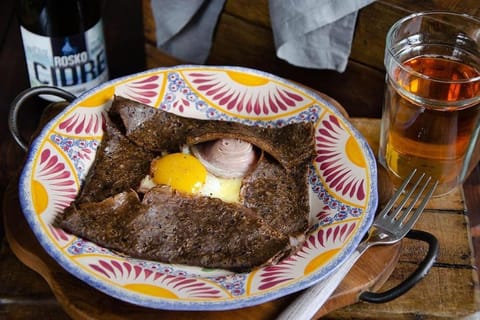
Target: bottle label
[75,63]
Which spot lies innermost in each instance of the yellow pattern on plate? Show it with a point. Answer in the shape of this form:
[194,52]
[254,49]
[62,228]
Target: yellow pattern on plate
[151,290]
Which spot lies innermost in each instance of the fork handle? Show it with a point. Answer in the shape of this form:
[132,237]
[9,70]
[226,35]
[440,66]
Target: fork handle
[311,300]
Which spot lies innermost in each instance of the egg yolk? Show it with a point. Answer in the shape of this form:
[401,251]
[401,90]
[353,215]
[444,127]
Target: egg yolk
[183,172]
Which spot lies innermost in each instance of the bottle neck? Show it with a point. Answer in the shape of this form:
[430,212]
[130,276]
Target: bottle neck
[58,18]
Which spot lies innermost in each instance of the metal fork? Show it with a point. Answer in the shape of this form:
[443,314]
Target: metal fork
[390,226]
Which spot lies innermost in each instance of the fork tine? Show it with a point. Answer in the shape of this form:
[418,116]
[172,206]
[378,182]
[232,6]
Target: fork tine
[406,211]
[409,224]
[406,198]
[396,195]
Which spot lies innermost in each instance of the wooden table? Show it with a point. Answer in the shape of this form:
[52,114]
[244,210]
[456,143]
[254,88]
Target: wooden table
[448,291]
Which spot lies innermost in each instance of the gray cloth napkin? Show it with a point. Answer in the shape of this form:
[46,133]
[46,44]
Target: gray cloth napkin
[184,28]
[308,33]
[315,33]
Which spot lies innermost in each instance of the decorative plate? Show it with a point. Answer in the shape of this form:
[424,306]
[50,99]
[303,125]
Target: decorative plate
[342,178]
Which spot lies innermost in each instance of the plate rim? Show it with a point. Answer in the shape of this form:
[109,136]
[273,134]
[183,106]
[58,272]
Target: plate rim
[221,304]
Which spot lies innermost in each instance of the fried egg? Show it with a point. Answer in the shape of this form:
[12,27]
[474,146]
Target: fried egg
[185,173]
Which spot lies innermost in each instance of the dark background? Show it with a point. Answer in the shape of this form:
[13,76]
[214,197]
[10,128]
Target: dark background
[123,31]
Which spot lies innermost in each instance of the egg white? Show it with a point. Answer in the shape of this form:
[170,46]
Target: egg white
[226,189]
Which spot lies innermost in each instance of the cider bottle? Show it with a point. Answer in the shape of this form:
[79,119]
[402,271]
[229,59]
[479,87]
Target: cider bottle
[64,43]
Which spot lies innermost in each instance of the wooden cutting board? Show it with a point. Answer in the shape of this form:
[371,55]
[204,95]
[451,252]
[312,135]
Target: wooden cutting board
[81,301]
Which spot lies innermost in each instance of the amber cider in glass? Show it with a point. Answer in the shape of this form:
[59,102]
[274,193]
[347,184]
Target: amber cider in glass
[426,129]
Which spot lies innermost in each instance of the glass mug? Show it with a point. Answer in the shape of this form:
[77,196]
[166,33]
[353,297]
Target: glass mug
[431,111]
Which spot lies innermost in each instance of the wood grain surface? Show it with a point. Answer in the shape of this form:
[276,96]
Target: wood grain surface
[447,292]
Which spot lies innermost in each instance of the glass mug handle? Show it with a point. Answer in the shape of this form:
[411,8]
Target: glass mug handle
[20,100]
